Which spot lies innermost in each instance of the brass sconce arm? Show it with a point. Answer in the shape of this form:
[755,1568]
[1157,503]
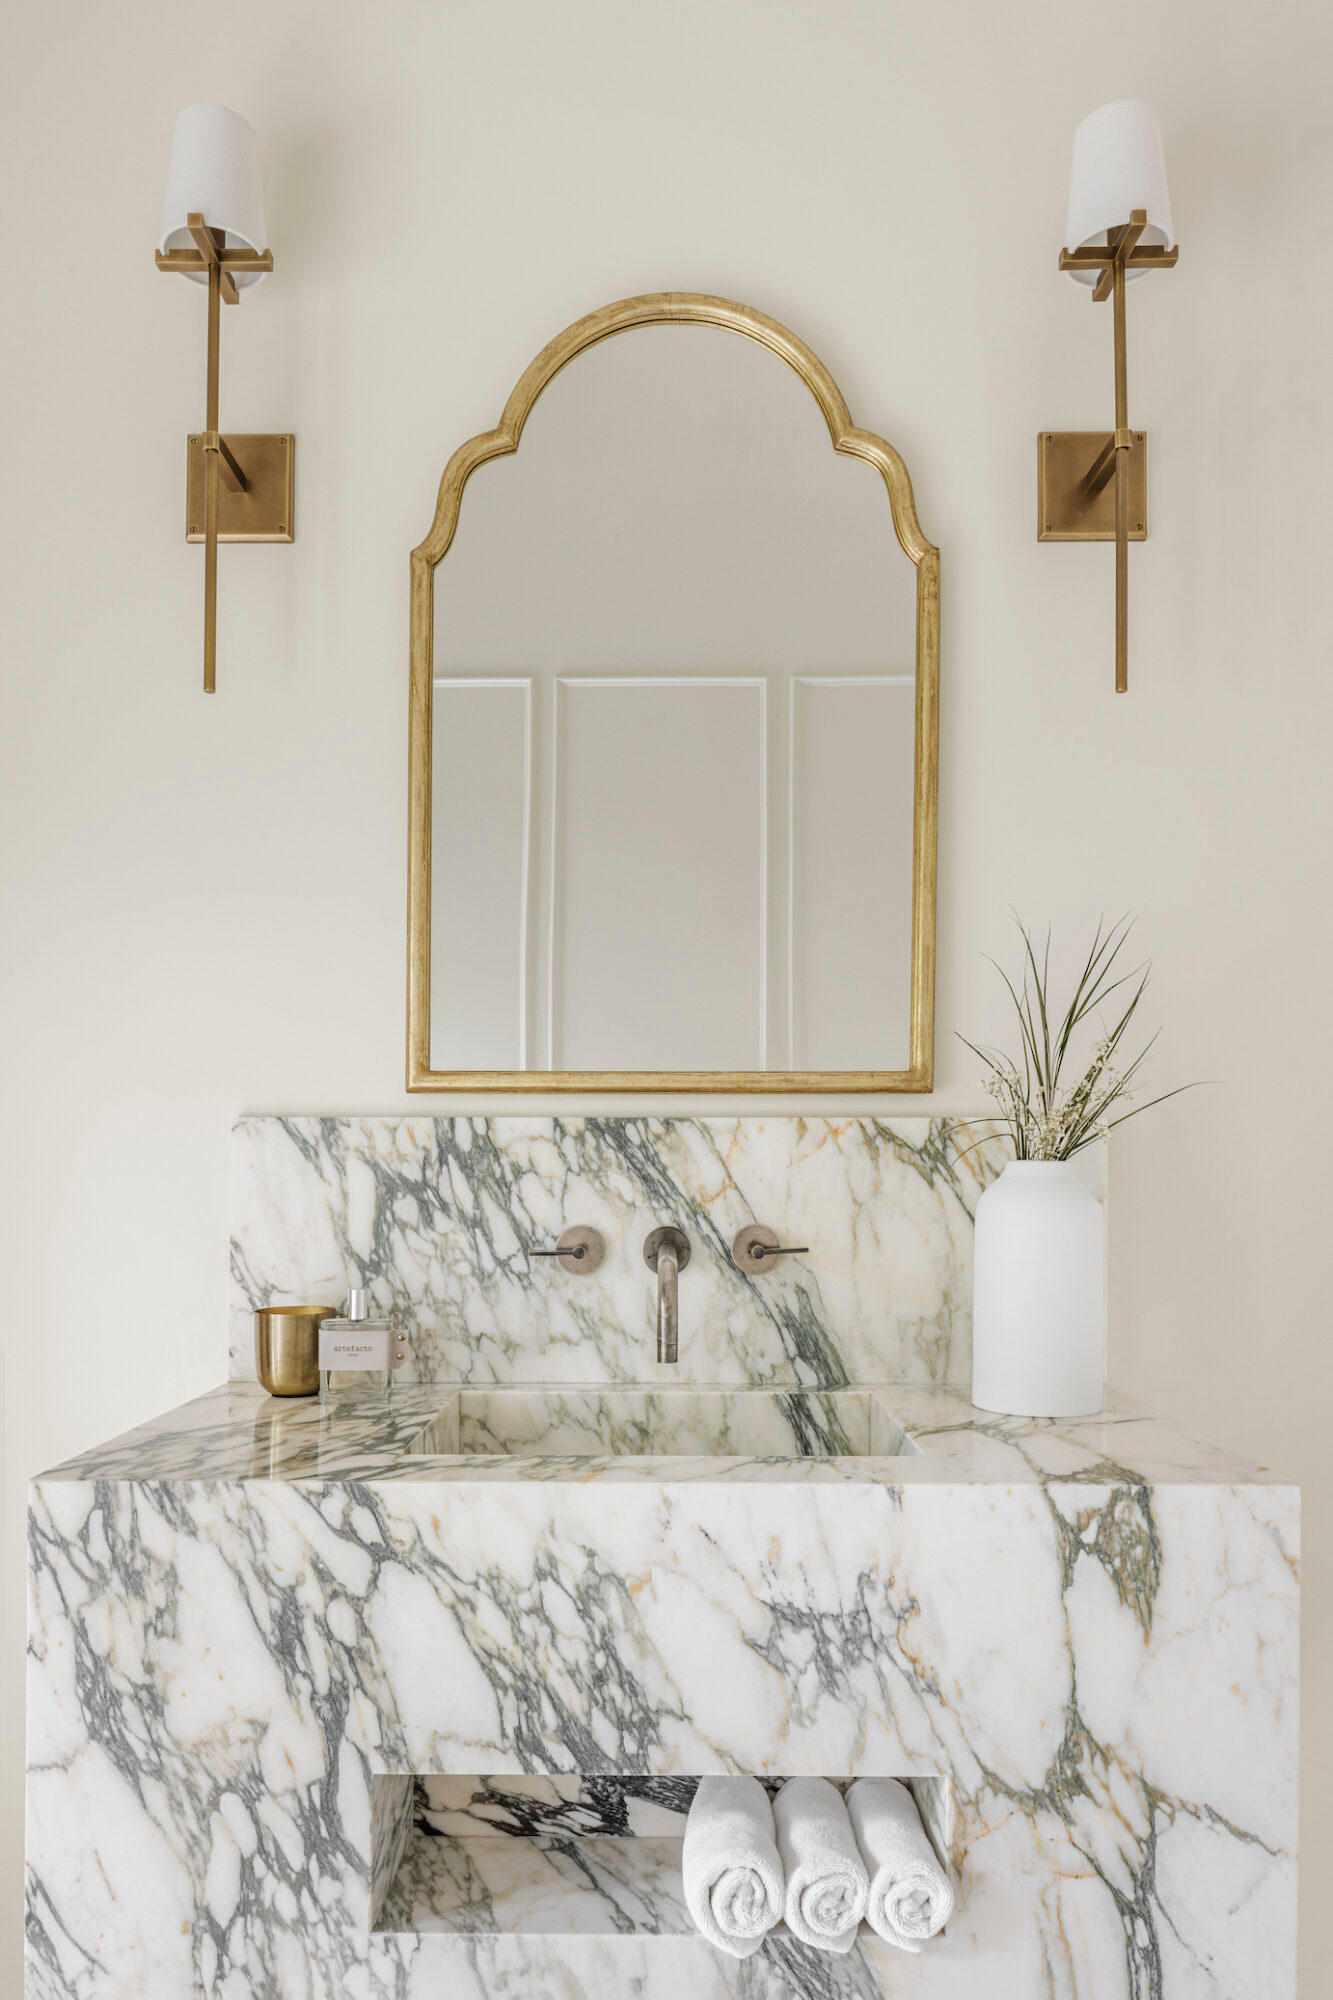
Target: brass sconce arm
[1069,482]
[228,467]
[254,501]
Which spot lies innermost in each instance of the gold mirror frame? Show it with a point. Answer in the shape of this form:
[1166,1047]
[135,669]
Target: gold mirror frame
[692,309]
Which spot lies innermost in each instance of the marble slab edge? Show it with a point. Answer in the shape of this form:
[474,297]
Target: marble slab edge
[236,1433]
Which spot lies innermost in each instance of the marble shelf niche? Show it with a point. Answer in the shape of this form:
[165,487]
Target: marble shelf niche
[567,1859]
[260,1635]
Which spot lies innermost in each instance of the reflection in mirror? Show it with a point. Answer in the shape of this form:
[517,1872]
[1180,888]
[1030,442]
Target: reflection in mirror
[673,780]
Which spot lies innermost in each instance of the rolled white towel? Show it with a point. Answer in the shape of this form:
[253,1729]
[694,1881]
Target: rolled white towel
[911,1897]
[826,1878]
[733,1878]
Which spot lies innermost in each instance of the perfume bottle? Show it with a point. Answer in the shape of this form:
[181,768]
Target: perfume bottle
[358,1354]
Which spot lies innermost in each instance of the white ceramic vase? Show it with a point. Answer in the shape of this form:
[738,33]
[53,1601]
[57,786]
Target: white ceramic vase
[1039,1293]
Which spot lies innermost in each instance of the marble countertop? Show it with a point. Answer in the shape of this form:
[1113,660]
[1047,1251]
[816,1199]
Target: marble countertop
[238,1433]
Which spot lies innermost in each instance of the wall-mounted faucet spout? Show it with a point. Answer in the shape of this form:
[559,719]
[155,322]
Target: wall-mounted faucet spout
[667,1251]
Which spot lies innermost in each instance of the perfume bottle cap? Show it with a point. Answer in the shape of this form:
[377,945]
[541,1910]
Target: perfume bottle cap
[358,1303]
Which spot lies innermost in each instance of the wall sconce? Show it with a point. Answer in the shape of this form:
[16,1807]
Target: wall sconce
[239,488]
[1092,485]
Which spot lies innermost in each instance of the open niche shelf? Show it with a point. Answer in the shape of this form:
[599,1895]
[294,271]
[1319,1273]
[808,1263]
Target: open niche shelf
[548,1856]
[541,1885]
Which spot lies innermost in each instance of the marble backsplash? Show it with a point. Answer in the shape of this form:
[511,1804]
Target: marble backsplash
[438,1217]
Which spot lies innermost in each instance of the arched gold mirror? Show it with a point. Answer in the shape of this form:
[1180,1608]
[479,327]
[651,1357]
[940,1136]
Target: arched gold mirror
[673,728]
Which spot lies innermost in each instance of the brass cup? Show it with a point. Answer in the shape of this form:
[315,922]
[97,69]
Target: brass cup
[287,1348]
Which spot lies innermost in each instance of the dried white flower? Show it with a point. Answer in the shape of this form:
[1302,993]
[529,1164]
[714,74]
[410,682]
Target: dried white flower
[1044,1121]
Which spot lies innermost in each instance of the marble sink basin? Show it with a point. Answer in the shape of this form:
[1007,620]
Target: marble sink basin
[692,1423]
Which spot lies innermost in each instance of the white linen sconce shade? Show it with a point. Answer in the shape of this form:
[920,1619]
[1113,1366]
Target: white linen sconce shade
[1118,166]
[214,172]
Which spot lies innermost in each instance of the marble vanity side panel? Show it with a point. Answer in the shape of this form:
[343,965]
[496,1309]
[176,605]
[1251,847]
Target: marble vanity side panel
[1106,1674]
[437,1216]
[393,1806]
[199,1749]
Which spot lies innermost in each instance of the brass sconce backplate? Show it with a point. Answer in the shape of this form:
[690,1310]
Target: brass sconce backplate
[262,511]
[1070,507]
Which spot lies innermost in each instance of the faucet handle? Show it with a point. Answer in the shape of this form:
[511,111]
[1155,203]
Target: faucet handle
[753,1246]
[581,1250]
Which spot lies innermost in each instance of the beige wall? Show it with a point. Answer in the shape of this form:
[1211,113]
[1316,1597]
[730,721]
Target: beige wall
[204,900]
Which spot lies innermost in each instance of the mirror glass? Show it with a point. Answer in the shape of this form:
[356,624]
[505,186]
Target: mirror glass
[673,701]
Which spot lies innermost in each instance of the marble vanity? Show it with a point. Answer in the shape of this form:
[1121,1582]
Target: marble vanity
[408,1700]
